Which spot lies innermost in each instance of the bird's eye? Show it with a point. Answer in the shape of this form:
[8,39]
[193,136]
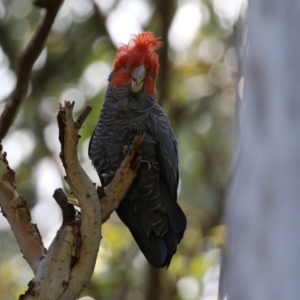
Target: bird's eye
[125,67]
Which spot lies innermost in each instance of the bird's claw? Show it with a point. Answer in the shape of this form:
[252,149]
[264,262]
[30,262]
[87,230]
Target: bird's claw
[139,152]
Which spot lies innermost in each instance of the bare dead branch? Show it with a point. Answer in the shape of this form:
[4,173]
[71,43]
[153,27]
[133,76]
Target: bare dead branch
[119,186]
[14,208]
[68,210]
[26,61]
[68,266]
[84,190]
[66,269]
[53,274]
[80,120]
[111,196]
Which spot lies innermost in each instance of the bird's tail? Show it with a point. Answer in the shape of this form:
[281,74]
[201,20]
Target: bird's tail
[158,250]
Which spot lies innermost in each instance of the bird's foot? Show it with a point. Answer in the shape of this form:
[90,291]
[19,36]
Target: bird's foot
[139,152]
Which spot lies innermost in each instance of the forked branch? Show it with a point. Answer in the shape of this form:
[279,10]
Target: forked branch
[65,270]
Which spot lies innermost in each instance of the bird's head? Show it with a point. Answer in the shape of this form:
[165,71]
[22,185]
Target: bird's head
[136,63]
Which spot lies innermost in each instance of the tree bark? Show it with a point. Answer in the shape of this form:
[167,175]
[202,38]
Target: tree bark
[263,205]
[65,269]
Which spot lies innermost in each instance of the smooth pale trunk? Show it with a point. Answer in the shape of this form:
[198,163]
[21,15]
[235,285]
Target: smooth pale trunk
[263,208]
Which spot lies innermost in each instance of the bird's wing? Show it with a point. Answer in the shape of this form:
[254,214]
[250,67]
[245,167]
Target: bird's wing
[160,128]
[97,150]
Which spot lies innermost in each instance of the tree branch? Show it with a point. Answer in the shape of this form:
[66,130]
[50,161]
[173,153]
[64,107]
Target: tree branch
[111,195]
[25,64]
[115,192]
[68,210]
[84,190]
[66,269]
[86,193]
[14,208]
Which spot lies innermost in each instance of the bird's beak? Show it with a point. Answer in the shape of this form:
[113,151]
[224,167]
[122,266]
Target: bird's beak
[137,78]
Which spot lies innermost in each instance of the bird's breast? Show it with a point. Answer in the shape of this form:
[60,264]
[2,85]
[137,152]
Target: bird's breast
[130,114]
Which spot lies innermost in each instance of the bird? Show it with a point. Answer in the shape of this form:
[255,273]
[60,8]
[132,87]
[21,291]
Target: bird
[149,209]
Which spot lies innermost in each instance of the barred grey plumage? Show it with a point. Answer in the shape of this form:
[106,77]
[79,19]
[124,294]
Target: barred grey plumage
[149,209]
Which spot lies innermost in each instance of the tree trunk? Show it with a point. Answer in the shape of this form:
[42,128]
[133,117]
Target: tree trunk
[264,199]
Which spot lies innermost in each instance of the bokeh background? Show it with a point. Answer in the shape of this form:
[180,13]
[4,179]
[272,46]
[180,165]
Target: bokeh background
[197,89]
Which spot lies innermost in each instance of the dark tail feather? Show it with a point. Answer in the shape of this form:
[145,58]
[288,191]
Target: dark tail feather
[177,218]
[154,248]
[157,250]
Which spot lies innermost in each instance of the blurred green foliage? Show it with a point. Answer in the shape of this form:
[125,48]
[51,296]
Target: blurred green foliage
[196,87]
